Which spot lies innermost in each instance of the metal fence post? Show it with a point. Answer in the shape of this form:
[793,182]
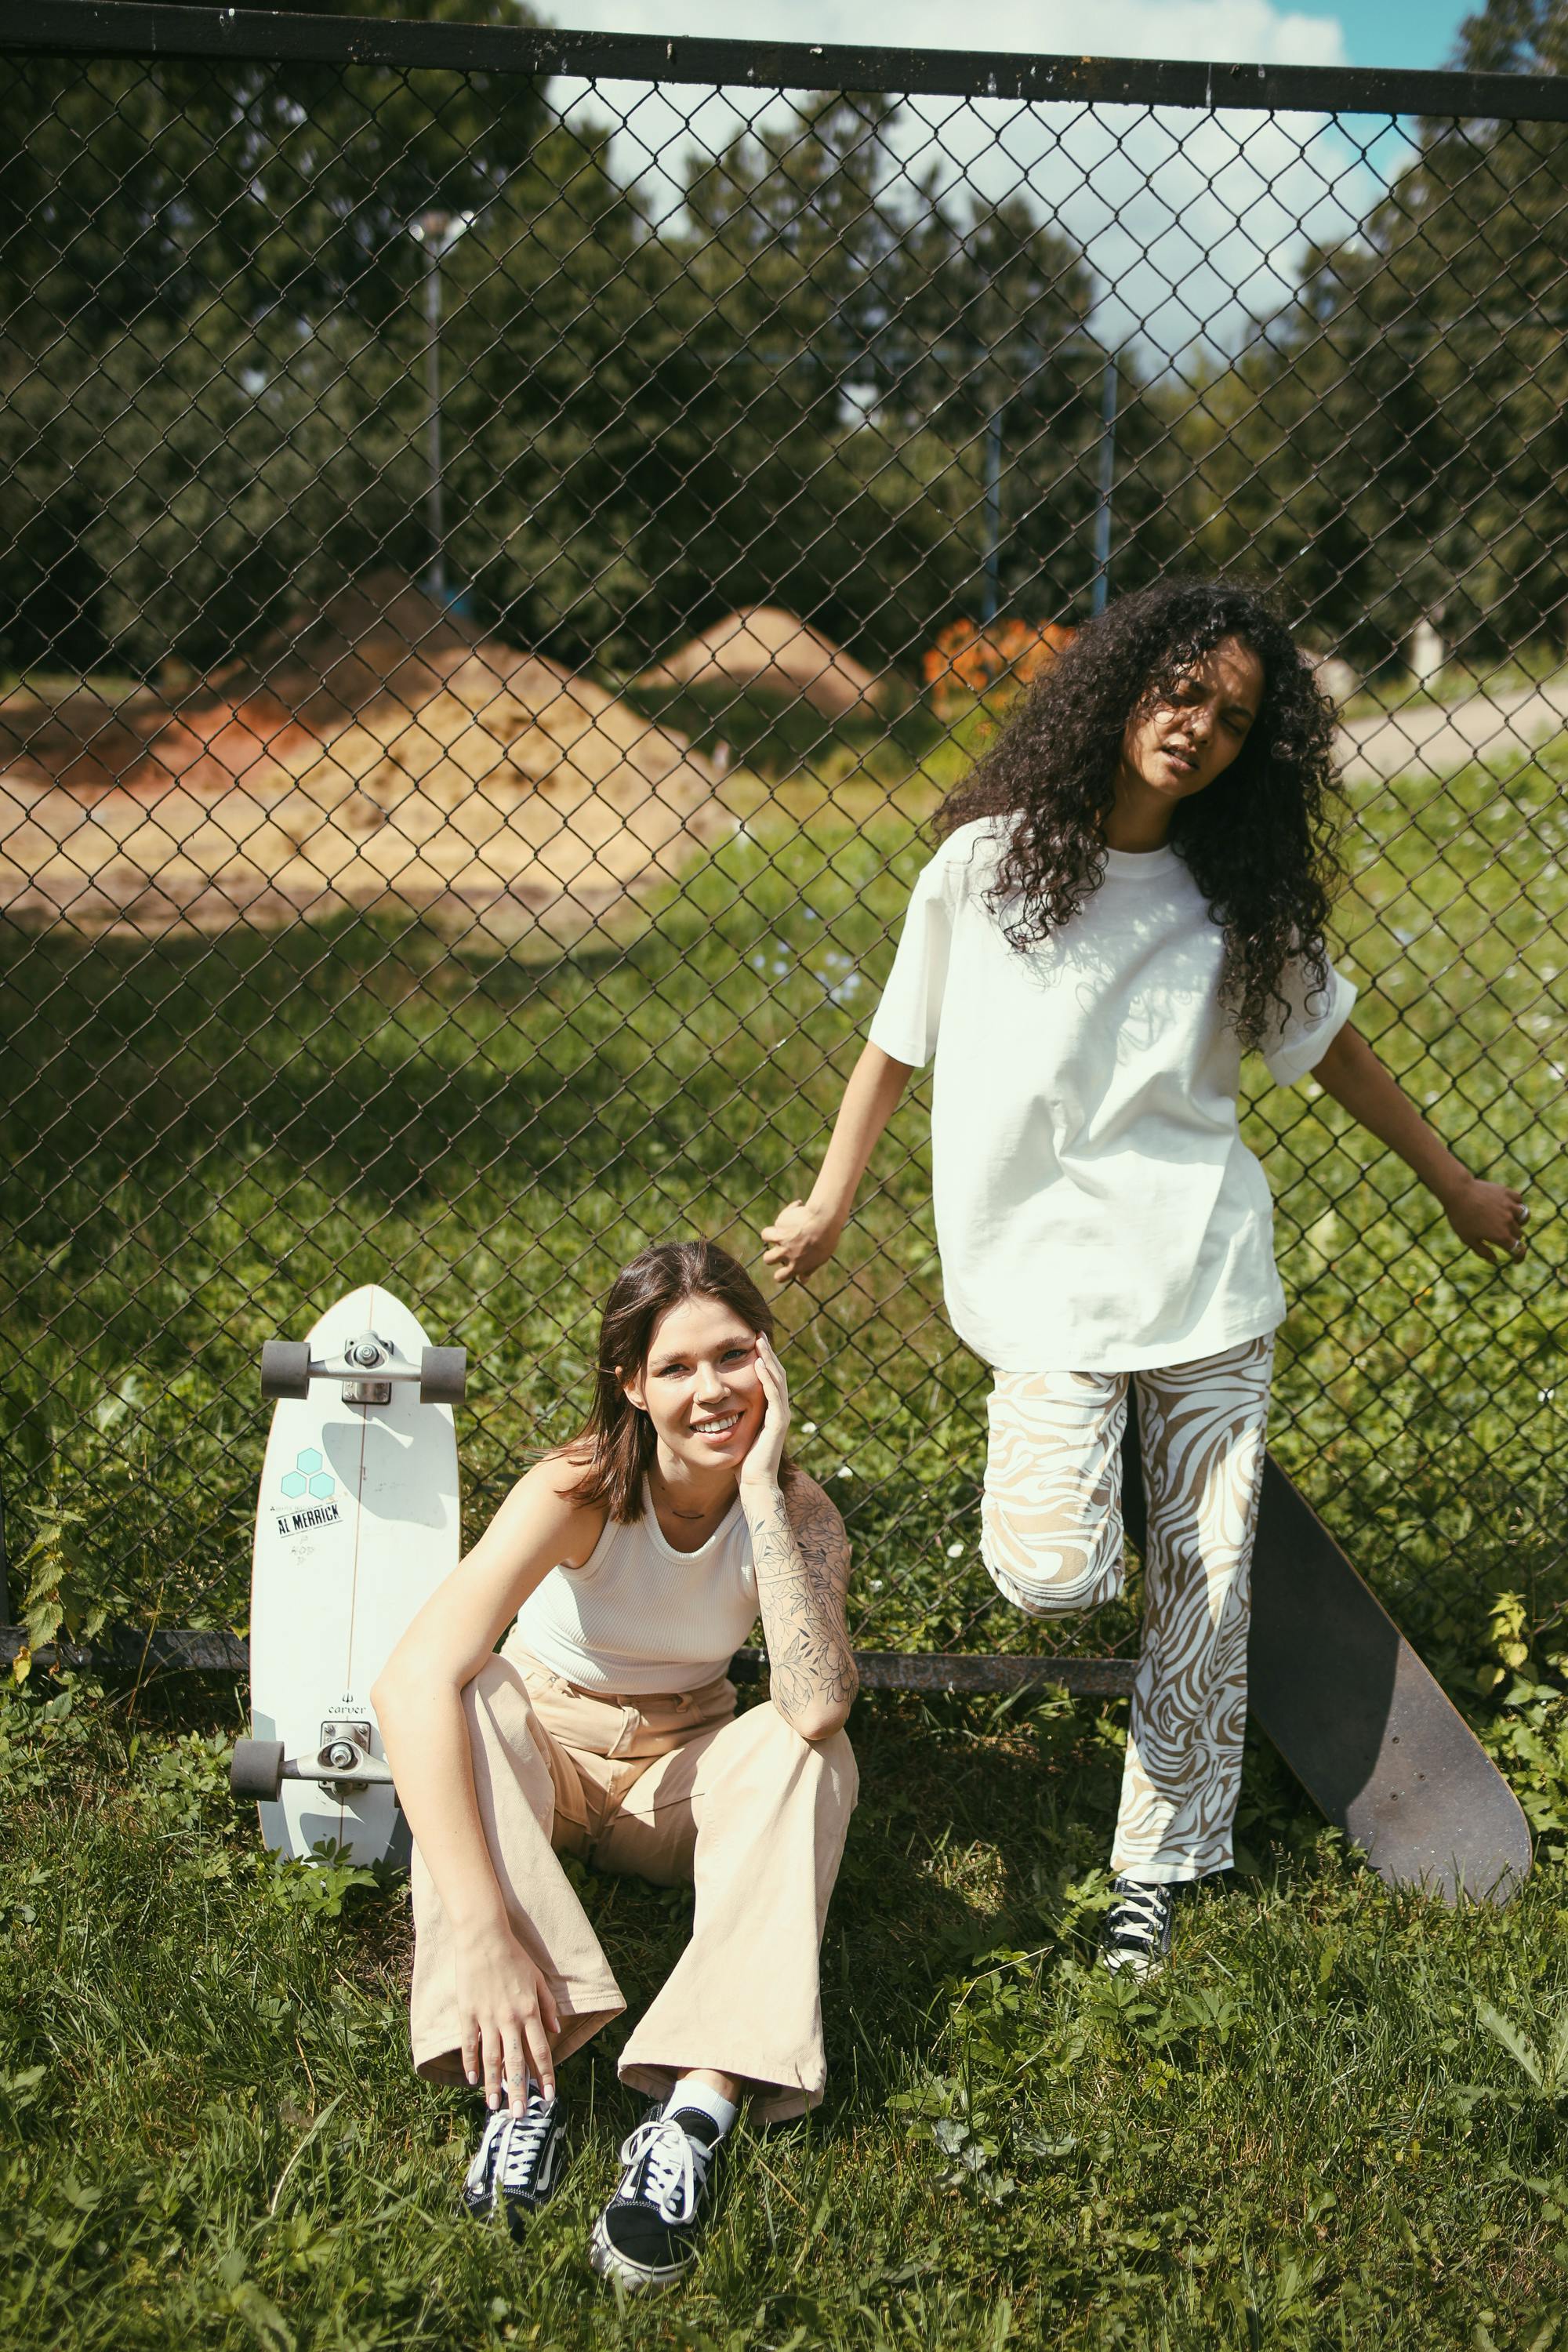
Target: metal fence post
[1107,393]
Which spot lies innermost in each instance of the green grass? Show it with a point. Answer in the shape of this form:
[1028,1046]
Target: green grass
[1311,2133]
[1314,2134]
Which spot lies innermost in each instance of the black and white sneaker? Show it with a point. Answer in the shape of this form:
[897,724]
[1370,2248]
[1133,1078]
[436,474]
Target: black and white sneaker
[650,2233]
[1137,1940]
[517,2164]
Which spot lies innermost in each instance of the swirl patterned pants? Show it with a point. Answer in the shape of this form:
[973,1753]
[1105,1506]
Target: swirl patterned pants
[1051,1541]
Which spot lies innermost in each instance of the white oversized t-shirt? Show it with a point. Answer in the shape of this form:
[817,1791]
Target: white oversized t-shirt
[1095,1207]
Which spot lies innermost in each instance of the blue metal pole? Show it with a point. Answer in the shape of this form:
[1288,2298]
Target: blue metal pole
[1108,392]
[435,525]
[993,516]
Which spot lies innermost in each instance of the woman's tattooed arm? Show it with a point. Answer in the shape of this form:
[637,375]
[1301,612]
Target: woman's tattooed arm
[802,1556]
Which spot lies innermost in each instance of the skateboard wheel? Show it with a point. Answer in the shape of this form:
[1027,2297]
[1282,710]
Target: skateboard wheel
[285,1367]
[256,1769]
[443,1375]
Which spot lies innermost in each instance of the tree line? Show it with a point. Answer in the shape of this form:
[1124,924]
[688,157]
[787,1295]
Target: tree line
[815,383]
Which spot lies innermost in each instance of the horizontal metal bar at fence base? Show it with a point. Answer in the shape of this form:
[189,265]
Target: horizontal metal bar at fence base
[127,28]
[895,1670]
[127,1649]
[193,1650]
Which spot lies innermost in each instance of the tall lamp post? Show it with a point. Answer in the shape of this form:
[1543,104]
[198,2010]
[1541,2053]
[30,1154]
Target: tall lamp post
[992,596]
[1109,389]
[438,232]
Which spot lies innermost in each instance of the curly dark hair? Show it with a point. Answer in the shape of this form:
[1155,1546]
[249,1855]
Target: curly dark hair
[1259,840]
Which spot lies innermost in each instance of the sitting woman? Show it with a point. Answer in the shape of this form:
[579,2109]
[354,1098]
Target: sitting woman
[635,1560]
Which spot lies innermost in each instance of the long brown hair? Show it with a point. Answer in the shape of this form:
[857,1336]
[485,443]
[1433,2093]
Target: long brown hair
[617,1446]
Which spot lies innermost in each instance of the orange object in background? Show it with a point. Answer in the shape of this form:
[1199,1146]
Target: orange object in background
[969,660]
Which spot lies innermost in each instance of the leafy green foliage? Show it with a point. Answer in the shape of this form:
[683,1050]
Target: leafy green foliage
[1528,1736]
[645,423]
[54,1596]
[319,1887]
[209,290]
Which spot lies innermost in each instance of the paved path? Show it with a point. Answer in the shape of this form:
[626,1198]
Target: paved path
[1435,739]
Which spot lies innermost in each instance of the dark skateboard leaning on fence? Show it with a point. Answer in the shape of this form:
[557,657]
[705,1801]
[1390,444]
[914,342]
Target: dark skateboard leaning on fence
[1131,889]
[635,1563]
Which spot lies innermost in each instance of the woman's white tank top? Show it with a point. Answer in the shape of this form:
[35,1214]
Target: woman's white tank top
[640,1617]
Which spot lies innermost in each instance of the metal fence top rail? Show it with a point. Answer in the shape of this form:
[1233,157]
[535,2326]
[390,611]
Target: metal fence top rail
[127,28]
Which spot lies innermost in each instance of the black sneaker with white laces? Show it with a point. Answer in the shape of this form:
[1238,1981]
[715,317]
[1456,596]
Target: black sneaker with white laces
[650,2233]
[1137,1938]
[517,2164]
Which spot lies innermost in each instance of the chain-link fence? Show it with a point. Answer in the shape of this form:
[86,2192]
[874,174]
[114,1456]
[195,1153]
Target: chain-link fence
[510,536]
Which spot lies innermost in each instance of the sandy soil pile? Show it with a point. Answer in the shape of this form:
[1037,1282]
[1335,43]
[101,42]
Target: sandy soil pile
[762,648]
[386,754]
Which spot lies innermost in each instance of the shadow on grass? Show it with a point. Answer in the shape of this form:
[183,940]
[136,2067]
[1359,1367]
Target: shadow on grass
[375,1061]
[957,1848]
[778,736]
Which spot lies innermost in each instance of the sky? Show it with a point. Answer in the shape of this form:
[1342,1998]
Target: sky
[1194,226]
[1401,32]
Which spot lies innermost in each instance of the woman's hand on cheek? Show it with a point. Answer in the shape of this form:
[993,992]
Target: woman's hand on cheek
[760,1466]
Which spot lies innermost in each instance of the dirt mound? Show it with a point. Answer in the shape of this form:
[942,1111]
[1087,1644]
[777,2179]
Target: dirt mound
[768,650]
[382,637]
[141,745]
[384,753]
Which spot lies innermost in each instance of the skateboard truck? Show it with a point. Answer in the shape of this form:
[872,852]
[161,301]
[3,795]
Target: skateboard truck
[372,1355]
[367,1368]
[344,1759]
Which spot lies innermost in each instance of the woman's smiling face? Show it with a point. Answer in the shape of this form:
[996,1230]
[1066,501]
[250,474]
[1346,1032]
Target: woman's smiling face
[1179,743]
[700,1386]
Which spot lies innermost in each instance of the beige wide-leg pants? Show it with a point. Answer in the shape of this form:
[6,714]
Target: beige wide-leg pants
[674,1788]
[1051,1539]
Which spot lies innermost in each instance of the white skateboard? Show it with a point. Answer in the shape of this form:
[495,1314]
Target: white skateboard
[355,1524]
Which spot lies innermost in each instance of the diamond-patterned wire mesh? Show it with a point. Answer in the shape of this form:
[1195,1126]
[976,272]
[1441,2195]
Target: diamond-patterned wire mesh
[498,572]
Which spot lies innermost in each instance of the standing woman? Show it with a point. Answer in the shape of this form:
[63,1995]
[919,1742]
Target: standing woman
[635,1562]
[1131,887]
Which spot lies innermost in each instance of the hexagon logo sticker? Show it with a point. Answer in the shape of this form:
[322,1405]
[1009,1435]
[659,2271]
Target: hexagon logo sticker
[308,1477]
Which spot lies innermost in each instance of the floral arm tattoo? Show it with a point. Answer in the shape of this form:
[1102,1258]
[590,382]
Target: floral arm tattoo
[801,1558]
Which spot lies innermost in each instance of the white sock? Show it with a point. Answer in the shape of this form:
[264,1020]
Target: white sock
[707,2101]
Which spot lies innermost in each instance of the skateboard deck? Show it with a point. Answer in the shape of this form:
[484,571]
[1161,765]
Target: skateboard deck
[1367,1729]
[357,1523]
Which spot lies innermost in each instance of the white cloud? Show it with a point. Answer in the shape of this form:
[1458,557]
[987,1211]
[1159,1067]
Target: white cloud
[1193,223]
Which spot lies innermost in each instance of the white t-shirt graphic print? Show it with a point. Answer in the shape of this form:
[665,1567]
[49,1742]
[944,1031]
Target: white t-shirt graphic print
[1095,1207]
